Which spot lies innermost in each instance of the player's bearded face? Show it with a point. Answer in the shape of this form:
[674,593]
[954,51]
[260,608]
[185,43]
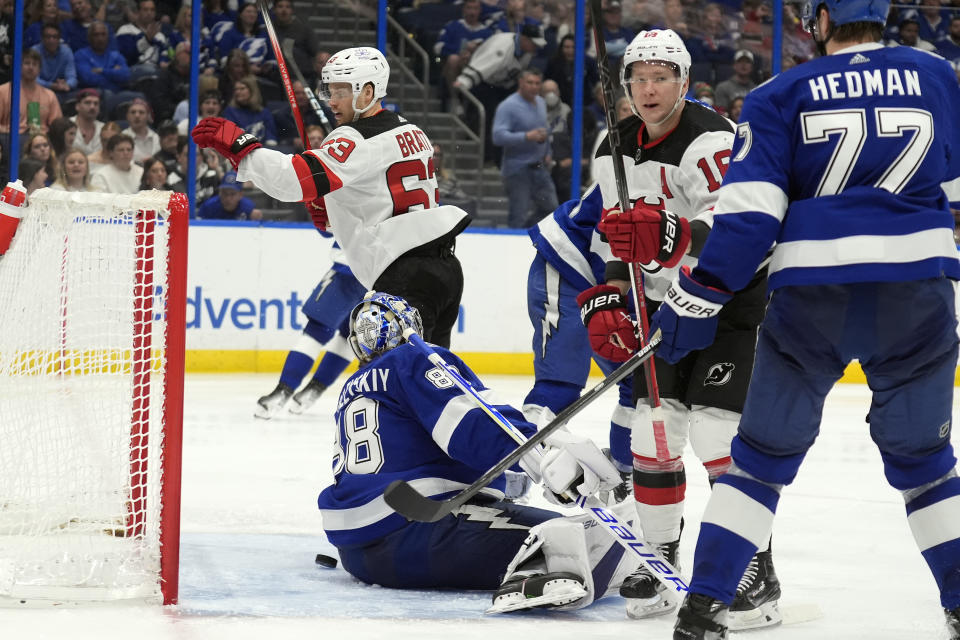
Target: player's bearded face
[655,88]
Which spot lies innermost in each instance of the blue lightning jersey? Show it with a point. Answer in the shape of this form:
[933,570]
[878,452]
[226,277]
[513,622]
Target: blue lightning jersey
[569,241]
[842,162]
[401,418]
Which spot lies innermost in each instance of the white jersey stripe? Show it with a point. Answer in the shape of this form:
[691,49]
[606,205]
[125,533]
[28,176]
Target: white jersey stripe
[763,197]
[737,512]
[452,414]
[913,247]
[936,523]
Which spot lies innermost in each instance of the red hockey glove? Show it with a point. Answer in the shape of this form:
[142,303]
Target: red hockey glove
[646,234]
[318,213]
[226,138]
[604,314]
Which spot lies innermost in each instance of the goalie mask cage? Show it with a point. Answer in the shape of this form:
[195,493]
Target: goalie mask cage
[92,311]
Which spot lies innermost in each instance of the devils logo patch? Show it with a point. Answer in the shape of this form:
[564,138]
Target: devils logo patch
[719,374]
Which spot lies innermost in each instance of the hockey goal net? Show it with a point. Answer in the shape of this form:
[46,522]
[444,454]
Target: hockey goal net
[91,398]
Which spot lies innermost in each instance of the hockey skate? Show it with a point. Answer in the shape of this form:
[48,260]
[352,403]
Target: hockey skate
[757,603]
[953,623]
[701,618]
[306,397]
[537,590]
[645,595]
[270,404]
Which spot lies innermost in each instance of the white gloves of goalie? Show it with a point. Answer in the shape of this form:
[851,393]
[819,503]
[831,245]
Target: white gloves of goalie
[570,465]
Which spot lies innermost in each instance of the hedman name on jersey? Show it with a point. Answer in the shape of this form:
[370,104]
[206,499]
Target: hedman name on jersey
[865,82]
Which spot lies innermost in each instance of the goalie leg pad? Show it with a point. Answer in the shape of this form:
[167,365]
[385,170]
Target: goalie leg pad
[575,545]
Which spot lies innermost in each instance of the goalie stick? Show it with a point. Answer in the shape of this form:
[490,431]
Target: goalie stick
[284,75]
[287,47]
[620,530]
[408,502]
[623,195]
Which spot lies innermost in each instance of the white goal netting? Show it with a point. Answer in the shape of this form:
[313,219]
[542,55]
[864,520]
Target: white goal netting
[83,364]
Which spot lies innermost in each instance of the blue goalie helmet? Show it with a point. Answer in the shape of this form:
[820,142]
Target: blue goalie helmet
[846,11]
[377,324]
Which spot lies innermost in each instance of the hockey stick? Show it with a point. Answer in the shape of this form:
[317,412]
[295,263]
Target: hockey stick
[623,195]
[620,530]
[311,96]
[408,502]
[282,66]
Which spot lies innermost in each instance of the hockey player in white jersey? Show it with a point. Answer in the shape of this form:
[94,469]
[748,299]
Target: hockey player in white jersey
[400,417]
[373,180]
[675,154]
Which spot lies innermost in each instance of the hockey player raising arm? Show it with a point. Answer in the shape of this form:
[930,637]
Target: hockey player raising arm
[675,154]
[373,180]
[838,161]
[401,417]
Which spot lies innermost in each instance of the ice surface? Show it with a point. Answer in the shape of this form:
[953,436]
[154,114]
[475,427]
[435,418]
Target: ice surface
[251,530]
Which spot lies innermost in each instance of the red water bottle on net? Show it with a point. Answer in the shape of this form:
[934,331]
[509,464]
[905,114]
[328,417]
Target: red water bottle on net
[13,199]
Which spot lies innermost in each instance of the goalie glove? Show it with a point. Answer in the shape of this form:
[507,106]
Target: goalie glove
[688,316]
[611,331]
[226,138]
[646,234]
[574,465]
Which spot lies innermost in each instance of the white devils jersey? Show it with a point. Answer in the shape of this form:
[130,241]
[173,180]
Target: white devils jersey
[376,176]
[681,172]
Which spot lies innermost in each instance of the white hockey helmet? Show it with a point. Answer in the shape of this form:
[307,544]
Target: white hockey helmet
[657,46]
[356,66]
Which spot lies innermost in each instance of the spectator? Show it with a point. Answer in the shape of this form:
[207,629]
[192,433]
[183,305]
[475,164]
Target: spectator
[560,70]
[459,39]
[285,123]
[33,34]
[446,182]
[563,18]
[216,11]
[76,29]
[230,203]
[37,146]
[501,57]
[121,175]
[757,32]
[520,127]
[596,107]
[949,47]
[714,42]
[247,112]
[100,158]
[63,133]
[316,134]
[236,66]
[154,175]
[562,151]
[142,41]
[169,138]
[33,174]
[514,17]
[210,107]
[38,106]
[100,65]
[146,142]
[557,110]
[319,61]
[73,172]
[172,84]
[208,175]
[57,70]
[736,106]
[622,108]
[674,17]
[304,39]
[739,84]
[932,20]
[615,35]
[88,126]
[6,40]
[703,92]
[248,36]
[909,36]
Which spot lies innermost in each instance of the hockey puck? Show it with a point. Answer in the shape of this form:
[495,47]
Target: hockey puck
[326,561]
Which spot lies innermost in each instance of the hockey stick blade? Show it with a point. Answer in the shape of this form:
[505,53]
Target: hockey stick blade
[411,504]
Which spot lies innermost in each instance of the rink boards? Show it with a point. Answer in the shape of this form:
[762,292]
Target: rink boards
[246,283]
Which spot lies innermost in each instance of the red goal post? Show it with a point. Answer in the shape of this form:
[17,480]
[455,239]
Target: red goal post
[92,338]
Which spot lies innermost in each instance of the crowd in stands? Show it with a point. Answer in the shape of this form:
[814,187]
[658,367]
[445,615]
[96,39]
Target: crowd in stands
[104,94]
[104,86]
[487,47]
